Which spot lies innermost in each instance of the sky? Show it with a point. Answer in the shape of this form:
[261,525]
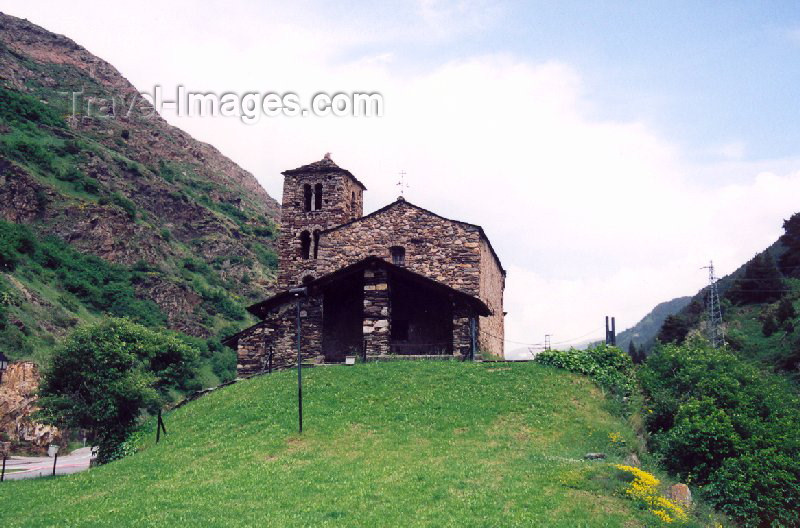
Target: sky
[609,149]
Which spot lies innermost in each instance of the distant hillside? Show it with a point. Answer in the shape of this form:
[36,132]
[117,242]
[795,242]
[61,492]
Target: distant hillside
[644,332]
[760,306]
[408,443]
[173,221]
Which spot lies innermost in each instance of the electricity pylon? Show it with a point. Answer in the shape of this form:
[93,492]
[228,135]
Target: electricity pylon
[715,333]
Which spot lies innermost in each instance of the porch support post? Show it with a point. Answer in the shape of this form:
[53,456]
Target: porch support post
[377,312]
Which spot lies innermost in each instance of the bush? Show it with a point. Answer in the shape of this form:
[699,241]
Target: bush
[719,422]
[16,107]
[15,241]
[609,366]
[106,374]
[126,205]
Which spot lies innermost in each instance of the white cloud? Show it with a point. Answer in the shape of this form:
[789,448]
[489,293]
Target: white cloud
[591,217]
[735,150]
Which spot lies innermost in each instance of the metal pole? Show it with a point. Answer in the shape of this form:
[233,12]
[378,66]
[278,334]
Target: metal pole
[3,473]
[269,367]
[160,427]
[299,371]
[55,459]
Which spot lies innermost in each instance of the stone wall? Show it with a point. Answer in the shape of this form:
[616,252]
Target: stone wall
[17,402]
[342,201]
[440,249]
[279,331]
[377,313]
[491,329]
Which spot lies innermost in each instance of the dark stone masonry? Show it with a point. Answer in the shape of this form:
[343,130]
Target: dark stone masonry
[401,281]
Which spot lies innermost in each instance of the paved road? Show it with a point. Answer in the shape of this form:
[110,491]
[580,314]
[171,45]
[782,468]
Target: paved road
[30,467]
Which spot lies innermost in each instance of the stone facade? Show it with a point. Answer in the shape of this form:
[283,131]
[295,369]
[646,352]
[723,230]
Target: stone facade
[277,333]
[447,251]
[377,308]
[316,197]
[324,231]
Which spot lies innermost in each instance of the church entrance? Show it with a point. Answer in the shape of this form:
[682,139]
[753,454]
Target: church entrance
[421,319]
[342,308]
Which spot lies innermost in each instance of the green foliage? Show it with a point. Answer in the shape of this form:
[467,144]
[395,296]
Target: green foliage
[265,255]
[719,422]
[674,330]
[770,326]
[610,367]
[127,205]
[80,182]
[217,300]
[102,286]
[786,311]
[761,283]
[15,242]
[19,108]
[106,374]
[790,261]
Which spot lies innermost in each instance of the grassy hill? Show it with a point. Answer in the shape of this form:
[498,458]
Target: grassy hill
[385,444]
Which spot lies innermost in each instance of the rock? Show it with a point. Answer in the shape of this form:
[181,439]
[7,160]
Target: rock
[681,494]
[594,456]
[632,460]
[17,403]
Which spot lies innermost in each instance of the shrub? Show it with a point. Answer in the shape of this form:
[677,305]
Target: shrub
[266,256]
[609,366]
[719,422]
[106,374]
[16,107]
[126,205]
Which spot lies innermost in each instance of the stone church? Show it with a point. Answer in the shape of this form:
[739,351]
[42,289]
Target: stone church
[400,281]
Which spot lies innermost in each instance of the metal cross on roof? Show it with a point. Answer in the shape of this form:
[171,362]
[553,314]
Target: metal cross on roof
[402,183]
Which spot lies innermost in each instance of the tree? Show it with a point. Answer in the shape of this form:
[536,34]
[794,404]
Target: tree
[637,354]
[106,374]
[674,330]
[786,311]
[762,282]
[790,261]
[769,326]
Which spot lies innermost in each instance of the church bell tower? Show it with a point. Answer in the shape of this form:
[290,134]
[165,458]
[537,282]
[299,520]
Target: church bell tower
[316,197]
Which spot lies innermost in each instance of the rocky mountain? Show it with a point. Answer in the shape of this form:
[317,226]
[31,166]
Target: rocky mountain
[110,211]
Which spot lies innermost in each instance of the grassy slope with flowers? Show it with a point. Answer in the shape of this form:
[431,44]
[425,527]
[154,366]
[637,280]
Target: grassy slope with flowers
[385,444]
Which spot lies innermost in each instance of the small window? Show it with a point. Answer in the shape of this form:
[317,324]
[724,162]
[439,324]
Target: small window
[398,255]
[316,242]
[399,330]
[307,196]
[353,204]
[305,245]
[318,197]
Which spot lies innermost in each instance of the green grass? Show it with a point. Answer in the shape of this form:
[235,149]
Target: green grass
[385,444]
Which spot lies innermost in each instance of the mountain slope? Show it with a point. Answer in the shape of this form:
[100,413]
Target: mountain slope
[774,344]
[645,331]
[384,444]
[190,230]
